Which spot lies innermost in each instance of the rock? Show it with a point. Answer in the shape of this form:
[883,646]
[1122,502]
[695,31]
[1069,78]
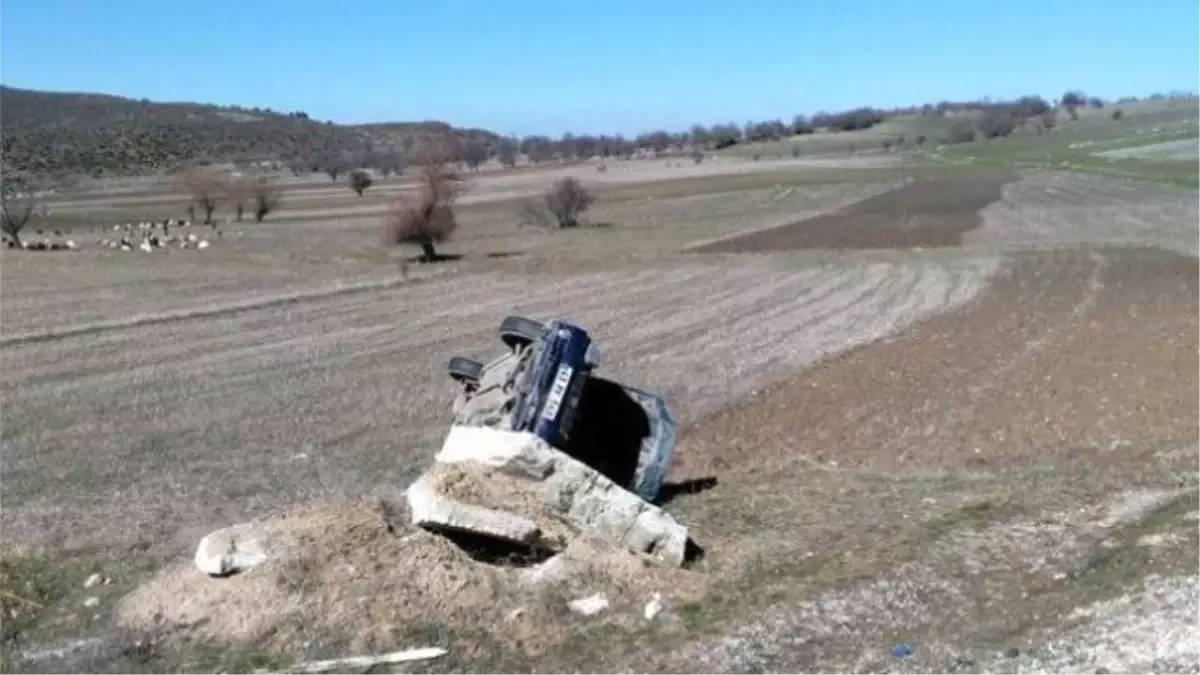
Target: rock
[569,489]
[92,581]
[91,601]
[653,607]
[228,551]
[430,509]
[589,606]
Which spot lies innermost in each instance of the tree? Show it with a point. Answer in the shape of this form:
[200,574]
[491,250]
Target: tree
[333,166]
[390,161]
[506,152]
[207,187]
[18,201]
[801,126]
[266,198]
[360,180]
[474,154]
[1073,99]
[424,217]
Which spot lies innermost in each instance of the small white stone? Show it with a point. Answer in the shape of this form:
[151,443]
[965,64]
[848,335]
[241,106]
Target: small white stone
[589,606]
[92,581]
[91,601]
[653,607]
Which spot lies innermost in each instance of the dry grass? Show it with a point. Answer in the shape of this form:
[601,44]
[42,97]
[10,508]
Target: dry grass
[340,577]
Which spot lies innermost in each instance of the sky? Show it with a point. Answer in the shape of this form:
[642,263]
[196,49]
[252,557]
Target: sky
[604,66]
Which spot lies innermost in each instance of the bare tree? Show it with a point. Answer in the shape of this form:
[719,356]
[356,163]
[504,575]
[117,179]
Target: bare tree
[567,200]
[18,202]
[391,161]
[424,217]
[474,154]
[360,180]
[207,188]
[506,152]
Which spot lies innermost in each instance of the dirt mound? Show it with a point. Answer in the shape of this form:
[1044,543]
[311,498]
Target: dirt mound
[926,213]
[347,580]
[1068,351]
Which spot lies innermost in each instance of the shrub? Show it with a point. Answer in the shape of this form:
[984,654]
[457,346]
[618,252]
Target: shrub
[360,180]
[266,199]
[962,132]
[1117,115]
[998,123]
[424,217]
[567,200]
[697,156]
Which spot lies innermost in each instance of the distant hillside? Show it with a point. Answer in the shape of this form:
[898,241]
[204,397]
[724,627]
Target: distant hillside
[97,134]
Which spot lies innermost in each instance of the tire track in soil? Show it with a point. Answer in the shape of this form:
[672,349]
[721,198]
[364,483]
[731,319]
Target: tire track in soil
[925,213]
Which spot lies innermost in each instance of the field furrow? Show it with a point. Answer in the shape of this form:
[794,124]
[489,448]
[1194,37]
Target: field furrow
[337,396]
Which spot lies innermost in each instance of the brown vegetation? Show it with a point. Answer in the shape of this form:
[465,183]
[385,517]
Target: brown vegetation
[18,200]
[424,217]
[207,188]
[567,200]
[360,180]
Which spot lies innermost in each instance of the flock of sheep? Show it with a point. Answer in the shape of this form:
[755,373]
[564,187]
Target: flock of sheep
[146,236]
[143,236]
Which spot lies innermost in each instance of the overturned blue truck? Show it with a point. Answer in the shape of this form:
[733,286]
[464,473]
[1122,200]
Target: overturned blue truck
[546,384]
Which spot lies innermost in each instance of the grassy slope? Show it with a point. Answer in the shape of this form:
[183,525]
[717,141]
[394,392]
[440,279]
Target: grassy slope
[1076,145]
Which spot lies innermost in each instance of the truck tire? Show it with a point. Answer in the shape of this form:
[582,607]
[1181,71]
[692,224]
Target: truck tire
[517,331]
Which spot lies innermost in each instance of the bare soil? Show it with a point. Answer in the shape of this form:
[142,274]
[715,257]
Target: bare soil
[1066,352]
[954,449]
[192,423]
[924,213]
[348,583]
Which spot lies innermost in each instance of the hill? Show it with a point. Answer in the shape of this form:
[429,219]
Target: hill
[98,134]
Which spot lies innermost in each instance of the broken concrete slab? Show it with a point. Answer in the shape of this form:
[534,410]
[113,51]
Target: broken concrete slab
[229,551]
[556,487]
[430,509]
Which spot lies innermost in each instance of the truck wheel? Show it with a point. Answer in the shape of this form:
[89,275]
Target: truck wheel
[517,331]
[464,370]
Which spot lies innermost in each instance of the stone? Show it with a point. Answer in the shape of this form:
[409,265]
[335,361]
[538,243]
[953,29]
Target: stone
[91,601]
[653,607]
[430,509]
[589,606]
[569,489]
[92,581]
[229,551]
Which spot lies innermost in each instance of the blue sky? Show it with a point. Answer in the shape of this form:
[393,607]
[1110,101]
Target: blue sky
[525,66]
